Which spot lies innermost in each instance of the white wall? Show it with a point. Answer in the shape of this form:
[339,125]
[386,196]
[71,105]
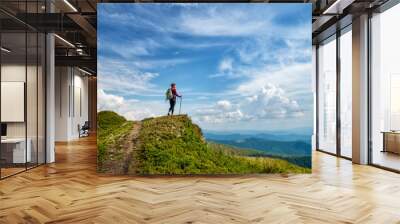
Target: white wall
[33,126]
[62,82]
[71,94]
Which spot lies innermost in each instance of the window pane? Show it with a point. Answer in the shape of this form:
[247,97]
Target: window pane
[346,93]
[386,89]
[327,97]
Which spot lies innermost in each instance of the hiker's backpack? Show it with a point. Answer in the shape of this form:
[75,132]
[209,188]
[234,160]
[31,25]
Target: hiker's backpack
[168,94]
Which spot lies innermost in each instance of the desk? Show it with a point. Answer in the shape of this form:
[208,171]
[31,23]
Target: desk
[15,148]
[391,141]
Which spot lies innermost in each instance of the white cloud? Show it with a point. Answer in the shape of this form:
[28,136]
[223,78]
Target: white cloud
[225,65]
[269,102]
[108,101]
[294,76]
[224,105]
[131,109]
[272,102]
[121,76]
[218,21]
[130,49]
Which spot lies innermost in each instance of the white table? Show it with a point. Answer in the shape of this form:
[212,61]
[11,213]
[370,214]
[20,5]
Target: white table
[19,153]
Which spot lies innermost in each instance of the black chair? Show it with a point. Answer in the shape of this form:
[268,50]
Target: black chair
[84,130]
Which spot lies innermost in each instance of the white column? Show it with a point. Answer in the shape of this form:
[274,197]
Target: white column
[360,90]
[50,92]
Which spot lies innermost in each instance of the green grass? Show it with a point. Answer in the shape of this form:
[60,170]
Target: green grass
[112,129]
[174,145]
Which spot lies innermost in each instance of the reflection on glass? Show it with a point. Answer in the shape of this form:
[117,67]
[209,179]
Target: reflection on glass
[395,102]
[22,91]
[14,153]
[386,89]
[346,94]
[327,97]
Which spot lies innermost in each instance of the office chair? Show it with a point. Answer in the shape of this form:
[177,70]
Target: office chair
[84,130]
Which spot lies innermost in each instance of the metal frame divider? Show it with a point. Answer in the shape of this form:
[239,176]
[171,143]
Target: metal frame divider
[338,76]
[317,97]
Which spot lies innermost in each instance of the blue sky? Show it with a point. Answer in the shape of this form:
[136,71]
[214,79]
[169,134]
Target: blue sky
[238,66]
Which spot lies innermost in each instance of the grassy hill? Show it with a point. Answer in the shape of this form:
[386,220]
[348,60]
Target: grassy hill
[175,145]
[111,135]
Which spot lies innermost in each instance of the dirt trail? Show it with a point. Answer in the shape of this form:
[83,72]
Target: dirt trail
[132,148]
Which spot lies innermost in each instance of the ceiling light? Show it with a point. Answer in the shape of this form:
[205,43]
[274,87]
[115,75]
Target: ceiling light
[70,5]
[5,50]
[84,71]
[65,41]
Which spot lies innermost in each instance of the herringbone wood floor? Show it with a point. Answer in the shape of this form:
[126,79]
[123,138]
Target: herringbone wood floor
[70,191]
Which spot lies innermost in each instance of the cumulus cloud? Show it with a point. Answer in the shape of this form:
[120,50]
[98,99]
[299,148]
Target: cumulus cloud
[295,77]
[131,109]
[269,102]
[224,105]
[108,101]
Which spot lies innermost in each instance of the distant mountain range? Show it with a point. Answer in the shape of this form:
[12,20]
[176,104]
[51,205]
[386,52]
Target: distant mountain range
[283,137]
[274,144]
[295,148]
[305,131]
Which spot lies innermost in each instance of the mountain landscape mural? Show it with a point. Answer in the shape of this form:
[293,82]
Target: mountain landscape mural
[204,88]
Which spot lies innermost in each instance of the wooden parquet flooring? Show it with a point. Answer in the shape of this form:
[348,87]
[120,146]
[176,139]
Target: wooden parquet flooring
[70,191]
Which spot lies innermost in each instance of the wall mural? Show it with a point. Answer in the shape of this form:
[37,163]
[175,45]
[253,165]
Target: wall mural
[204,88]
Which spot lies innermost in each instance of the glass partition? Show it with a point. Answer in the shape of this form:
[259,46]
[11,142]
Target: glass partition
[14,153]
[22,101]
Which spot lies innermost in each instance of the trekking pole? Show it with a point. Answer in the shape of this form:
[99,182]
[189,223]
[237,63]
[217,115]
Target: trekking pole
[180,105]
